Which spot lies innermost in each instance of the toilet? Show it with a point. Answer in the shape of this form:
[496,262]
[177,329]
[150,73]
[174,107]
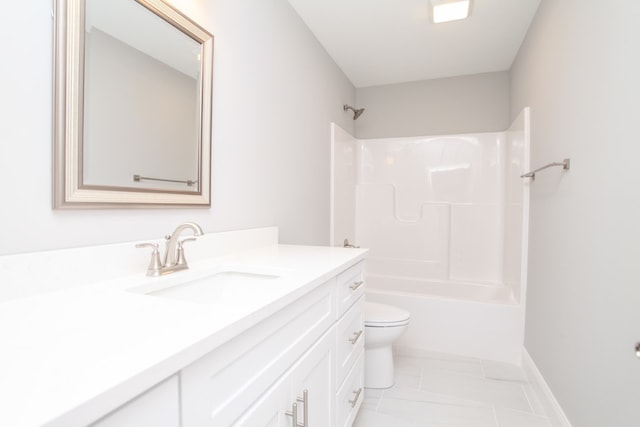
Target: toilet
[383,324]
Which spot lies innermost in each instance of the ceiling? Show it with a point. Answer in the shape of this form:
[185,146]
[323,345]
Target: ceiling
[378,42]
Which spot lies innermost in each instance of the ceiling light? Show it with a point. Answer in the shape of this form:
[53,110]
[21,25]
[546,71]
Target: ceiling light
[449,10]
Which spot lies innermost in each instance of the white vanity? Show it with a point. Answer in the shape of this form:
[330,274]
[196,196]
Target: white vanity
[281,342]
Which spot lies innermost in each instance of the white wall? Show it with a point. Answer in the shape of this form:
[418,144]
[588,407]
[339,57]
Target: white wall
[579,71]
[275,93]
[464,104]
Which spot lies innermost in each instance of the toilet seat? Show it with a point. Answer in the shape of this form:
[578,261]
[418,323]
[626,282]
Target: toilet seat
[384,316]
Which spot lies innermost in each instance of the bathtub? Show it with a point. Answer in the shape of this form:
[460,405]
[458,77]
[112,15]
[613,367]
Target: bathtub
[480,320]
[445,219]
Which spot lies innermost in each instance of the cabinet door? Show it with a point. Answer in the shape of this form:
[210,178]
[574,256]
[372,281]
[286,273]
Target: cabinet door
[269,410]
[314,373]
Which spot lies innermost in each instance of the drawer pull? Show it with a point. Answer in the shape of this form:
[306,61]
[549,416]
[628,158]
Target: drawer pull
[355,399]
[305,402]
[356,285]
[294,415]
[356,336]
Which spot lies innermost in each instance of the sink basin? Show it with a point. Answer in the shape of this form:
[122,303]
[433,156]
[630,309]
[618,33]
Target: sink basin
[220,287]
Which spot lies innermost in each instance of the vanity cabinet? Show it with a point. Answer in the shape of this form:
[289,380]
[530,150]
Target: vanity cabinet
[273,322]
[315,345]
[306,359]
[221,386]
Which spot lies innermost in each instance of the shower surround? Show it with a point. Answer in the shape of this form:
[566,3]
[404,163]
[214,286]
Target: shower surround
[445,219]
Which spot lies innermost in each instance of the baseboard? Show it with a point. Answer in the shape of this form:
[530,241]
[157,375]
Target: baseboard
[551,406]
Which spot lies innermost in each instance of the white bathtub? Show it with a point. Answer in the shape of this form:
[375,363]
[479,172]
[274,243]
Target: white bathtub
[479,292]
[473,320]
[446,221]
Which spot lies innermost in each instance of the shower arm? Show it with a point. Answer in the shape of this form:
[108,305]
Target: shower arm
[356,112]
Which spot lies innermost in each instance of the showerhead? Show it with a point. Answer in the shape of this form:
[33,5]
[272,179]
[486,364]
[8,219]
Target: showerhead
[356,113]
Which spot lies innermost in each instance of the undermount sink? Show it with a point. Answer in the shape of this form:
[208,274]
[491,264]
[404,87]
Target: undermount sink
[220,287]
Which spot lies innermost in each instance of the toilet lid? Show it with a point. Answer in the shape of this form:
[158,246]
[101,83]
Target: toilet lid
[384,315]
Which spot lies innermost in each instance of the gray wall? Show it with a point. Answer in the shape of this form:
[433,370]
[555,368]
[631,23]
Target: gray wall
[275,93]
[465,104]
[579,71]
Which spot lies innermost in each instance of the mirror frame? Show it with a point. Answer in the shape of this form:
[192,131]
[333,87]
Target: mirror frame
[68,191]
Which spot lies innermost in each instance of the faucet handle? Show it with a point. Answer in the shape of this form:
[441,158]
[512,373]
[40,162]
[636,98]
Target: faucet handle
[181,259]
[155,265]
[349,245]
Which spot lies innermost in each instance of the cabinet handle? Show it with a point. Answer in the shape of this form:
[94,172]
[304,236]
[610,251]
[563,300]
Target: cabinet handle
[355,337]
[305,402]
[356,285]
[355,399]
[294,415]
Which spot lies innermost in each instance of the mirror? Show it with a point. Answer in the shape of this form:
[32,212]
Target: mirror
[132,125]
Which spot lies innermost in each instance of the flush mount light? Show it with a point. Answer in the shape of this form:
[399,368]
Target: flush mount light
[449,10]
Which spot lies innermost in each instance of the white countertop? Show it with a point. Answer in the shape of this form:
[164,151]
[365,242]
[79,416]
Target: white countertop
[73,354]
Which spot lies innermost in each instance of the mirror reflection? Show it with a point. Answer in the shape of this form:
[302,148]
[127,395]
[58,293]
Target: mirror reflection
[142,75]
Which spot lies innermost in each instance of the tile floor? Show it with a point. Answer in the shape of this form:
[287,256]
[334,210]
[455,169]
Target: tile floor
[437,390]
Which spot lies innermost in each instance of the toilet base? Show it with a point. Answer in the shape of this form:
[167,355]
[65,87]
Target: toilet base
[378,367]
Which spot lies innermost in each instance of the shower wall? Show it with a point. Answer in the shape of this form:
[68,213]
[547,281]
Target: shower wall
[516,200]
[445,219]
[449,208]
[342,187]
[432,207]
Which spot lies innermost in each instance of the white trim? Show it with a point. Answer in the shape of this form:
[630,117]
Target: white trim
[551,406]
[332,187]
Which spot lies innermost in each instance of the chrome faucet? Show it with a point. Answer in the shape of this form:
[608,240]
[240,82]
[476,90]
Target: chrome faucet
[174,259]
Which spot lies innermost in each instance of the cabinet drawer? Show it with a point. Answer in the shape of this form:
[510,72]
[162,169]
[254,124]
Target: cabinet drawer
[350,287]
[350,396]
[217,388]
[349,339]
